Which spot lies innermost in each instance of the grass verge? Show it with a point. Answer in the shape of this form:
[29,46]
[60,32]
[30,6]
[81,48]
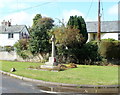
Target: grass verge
[83,75]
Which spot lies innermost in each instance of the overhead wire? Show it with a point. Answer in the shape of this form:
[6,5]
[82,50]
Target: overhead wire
[102,14]
[89,9]
[18,10]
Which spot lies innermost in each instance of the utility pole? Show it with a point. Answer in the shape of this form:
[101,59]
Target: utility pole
[99,23]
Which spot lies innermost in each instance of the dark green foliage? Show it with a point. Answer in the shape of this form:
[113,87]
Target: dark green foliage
[36,18]
[39,35]
[110,49]
[39,41]
[78,23]
[88,54]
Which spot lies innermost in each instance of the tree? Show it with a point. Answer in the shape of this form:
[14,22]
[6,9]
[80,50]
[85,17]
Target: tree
[39,36]
[36,18]
[71,38]
[78,22]
[46,22]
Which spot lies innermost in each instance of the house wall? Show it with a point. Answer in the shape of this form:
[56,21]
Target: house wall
[103,36]
[109,35]
[5,41]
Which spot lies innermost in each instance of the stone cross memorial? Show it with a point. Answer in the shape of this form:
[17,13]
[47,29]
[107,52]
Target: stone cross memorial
[52,60]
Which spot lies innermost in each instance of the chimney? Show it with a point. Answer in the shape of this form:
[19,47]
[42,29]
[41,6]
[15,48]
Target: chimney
[9,23]
[5,23]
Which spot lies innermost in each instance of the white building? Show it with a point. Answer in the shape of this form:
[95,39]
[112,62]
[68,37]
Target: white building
[10,34]
[109,29]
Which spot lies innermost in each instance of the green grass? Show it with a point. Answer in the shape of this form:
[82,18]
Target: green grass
[83,75]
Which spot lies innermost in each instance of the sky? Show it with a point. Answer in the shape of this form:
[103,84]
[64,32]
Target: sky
[22,12]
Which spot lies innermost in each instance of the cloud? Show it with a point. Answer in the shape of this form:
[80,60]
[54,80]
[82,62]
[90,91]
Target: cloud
[20,18]
[113,10]
[67,14]
[19,6]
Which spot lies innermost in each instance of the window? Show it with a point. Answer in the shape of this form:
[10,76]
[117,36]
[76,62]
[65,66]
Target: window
[94,36]
[119,36]
[10,35]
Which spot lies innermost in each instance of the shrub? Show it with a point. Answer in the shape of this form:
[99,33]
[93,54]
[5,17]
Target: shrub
[9,48]
[89,54]
[22,48]
[110,49]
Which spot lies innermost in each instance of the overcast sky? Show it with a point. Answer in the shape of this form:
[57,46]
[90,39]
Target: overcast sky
[23,11]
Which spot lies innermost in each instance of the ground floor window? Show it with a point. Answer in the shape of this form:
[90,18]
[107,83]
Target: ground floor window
[118,36]
[10,35]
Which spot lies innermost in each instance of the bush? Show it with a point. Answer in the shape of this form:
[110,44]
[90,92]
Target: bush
[88,54]
[22,48]
[110,49]
[9,48]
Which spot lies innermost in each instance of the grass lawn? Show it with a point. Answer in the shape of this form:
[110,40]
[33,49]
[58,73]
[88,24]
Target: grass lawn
[83,75]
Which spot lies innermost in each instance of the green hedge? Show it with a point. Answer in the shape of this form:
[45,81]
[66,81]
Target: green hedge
[110,49]
[89,54]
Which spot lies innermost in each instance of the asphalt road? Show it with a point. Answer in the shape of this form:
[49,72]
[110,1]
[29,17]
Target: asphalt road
[12,85]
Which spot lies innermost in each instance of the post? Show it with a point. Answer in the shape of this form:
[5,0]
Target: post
[99,23]
[53,45]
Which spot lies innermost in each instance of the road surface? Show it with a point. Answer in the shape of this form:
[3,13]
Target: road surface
[12,85]
[17,86]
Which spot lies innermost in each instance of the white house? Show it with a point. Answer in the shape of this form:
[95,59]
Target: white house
[109,29]
[10,34]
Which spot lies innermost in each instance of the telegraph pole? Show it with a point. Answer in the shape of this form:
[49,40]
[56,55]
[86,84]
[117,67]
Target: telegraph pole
[99,23]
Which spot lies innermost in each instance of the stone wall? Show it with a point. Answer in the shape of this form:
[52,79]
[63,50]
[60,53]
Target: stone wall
[12,56]
[4,55]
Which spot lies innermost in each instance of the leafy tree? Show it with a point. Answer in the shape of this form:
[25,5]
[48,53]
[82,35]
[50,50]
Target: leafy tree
[39,36]
[46,22]
[71,38]
[39,41]
[36,18]
[78,22]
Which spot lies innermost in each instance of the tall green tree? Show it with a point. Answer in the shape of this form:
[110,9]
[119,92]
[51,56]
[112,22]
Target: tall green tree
[78,23]
[39,36]
[36,18]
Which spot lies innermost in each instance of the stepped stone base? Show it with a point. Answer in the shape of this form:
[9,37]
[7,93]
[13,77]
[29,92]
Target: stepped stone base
[52,64]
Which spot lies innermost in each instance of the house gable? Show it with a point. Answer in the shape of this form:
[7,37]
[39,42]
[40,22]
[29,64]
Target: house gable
[10,34]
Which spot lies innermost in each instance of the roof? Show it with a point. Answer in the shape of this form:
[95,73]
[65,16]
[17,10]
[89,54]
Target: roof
[106,26]
[12,28]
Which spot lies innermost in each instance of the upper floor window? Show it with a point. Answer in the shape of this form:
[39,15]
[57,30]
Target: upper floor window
[10,35]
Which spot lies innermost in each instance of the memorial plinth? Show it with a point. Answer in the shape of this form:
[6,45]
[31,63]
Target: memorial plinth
[52,63]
